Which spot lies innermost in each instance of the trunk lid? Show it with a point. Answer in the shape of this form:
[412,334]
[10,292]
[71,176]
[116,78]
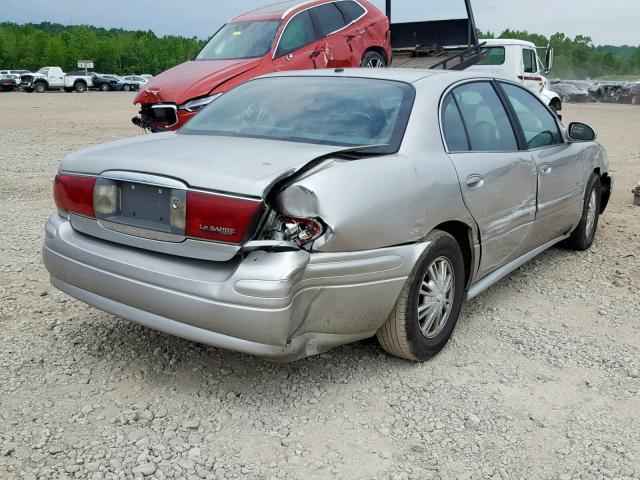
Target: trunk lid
[242,166]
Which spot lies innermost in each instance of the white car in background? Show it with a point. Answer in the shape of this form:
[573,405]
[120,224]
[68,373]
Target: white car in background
[136,79]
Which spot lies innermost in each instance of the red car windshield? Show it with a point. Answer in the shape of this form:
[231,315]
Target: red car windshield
[241,40]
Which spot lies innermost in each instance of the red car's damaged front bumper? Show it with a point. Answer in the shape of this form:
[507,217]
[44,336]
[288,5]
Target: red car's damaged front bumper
[162,117]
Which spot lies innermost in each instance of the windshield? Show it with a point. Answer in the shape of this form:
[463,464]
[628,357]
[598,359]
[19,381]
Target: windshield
[322,110]
[241,40]
[43,71]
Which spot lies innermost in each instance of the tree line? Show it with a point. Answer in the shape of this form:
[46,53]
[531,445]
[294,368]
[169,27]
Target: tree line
[31,46]
[577,58]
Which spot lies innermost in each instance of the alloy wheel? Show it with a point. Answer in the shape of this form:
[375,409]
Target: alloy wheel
[435,299]
[591,214]
[375,63]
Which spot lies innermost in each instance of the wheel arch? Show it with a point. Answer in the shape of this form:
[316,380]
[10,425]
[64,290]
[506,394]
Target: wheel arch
[606,183]
[379,50]
[464,235]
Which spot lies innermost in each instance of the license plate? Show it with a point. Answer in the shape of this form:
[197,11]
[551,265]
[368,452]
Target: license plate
[146,203]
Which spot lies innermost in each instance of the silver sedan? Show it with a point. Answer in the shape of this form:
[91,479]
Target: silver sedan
[307,210]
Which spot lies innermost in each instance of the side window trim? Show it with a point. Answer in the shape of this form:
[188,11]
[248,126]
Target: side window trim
[502,98]
[464,125]
[518,126]
[366,11]
[513,117]
[315,26]
[284,29]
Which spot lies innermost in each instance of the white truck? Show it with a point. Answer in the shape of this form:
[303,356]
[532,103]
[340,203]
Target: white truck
[519,61]
[454,44]
[53,78]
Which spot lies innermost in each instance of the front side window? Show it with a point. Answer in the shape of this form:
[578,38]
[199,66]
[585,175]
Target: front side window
[485,118]
[495,56]
[351,11]
[537,122]
[241,40]
[298,33]
[529,59]
[453,126]
[345,112]
[328,18]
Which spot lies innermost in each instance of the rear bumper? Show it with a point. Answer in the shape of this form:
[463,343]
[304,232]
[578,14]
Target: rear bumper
[284,306]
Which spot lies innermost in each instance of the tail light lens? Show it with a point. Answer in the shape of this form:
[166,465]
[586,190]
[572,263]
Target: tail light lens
[219,218]
[74,194]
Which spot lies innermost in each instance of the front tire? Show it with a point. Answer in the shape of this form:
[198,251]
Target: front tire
[427,310]
[104,87]
[126,88]
[582,238]
[373,60]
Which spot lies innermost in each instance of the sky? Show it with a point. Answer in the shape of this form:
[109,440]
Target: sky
[612,22]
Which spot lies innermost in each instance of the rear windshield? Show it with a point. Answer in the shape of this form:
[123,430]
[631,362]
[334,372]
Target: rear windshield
[241,40]
[495,56]
[322,110]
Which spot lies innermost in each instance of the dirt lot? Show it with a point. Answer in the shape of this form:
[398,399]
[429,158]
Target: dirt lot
[540,380]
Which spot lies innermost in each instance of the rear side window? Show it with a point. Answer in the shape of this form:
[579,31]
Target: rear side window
[298,33]
[454,133]
[328,19]
[495,56]
[537,122]
[487,123]
[351,11]
[529,59]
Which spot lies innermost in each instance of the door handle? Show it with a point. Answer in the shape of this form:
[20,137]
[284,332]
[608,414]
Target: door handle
[315,54]
[545,169]
[474,182]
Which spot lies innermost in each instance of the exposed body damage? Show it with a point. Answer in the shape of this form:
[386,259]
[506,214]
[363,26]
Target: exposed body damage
[334,235]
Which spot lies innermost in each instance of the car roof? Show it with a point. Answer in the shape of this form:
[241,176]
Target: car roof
[277,10]
[501,41]
[407,75]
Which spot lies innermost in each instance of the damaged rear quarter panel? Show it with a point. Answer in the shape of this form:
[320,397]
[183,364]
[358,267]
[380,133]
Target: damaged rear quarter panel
[367,204]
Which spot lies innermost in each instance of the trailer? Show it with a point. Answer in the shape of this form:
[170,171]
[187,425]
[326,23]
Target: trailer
[440,44]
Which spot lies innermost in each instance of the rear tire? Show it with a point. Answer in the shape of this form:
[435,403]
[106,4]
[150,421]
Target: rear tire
[104,87]
[373,60]
[582,238]
[427,310]
[40,88]
[80,87]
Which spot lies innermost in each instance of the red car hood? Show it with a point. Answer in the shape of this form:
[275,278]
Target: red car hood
[192,79]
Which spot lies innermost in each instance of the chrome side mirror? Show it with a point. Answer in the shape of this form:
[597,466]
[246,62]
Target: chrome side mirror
[581,132]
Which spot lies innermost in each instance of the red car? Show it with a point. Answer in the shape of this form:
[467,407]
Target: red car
[289,35]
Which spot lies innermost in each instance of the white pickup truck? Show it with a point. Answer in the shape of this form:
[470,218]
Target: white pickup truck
[519,61]
[53,78]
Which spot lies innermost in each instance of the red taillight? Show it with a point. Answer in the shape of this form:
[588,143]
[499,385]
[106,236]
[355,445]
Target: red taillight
[219,218]
[74,194]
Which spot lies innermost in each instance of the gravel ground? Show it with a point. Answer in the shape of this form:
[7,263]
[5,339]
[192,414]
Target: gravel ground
[540,380]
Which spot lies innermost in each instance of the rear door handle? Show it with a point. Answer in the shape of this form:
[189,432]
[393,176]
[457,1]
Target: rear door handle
[474,182]
[545,169]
